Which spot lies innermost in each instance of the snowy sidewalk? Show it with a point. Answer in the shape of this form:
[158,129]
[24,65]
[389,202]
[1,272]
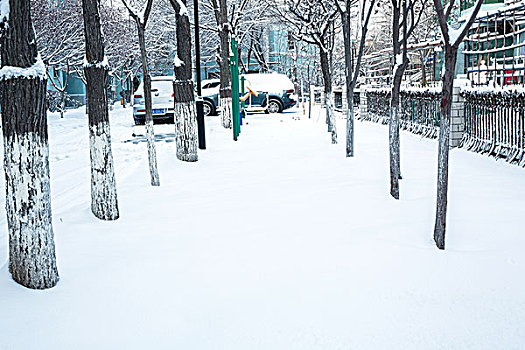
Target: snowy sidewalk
[275,242]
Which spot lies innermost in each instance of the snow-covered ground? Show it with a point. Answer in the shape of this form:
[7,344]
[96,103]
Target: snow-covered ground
[277,242]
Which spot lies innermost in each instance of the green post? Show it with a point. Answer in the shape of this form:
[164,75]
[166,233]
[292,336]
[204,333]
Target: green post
[234,71]
[242,92]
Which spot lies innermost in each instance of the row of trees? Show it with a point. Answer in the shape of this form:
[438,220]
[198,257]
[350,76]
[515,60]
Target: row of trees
[70,36]
[316,23]
[23,82]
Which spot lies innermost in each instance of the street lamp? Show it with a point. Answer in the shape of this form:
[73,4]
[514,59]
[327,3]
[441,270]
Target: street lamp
[199,101]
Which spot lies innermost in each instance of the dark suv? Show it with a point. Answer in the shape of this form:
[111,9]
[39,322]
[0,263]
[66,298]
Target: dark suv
[275,93]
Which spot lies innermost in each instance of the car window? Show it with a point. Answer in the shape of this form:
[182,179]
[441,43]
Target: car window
[212,85]
[206,86]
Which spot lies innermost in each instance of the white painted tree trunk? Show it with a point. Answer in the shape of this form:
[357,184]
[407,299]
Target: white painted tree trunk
[32,260]
[152,153]
[104,204]
[186,131]
[226,112]
[350,129]
[393,142]
[330,116]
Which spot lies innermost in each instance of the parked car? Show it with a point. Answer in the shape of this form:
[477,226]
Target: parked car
[162,101]
[210,96]
[275,93]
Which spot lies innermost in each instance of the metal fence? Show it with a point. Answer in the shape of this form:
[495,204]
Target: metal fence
[494,124]
[420,113]
[378,106]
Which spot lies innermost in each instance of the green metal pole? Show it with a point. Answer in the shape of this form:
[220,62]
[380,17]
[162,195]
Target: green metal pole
[234,71]
[242,92]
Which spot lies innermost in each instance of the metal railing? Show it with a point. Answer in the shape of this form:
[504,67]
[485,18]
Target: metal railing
[420,113]
[494,124]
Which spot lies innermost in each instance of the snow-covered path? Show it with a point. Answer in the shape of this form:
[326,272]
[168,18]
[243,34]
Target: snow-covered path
[276,241]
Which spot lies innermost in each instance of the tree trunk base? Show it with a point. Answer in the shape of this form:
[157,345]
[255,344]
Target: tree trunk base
[330,117]
[104,204]
[226,112]
[185,121]
[152,154]
[394,152]
[32,260]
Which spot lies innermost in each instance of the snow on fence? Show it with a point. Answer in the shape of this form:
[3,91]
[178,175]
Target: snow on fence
[420,112]
[484,120]
[494,123]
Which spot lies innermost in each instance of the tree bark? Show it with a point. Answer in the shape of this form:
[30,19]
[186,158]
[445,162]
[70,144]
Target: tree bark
[327,80]
[150,135]
[444,141]
[225,92]
[32,261]
[184,98]
[104,204]
[393,134]
[400,64]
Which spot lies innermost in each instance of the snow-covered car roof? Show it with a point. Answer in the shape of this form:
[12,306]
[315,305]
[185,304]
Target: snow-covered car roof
[162,77]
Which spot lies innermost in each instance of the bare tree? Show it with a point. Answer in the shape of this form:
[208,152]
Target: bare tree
[185,115]
[104,204]
[313,22]
[406,15]
[225,93]
[451,40]
[32,261]
[141,19]
[352,68]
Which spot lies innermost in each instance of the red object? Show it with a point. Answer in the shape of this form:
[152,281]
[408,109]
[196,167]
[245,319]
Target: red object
[289,91]
[137,96]
[510,80]
[172,95]
[141,110]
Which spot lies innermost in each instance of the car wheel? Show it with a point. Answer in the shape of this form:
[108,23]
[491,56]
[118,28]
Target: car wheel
[274,106]
[207,107]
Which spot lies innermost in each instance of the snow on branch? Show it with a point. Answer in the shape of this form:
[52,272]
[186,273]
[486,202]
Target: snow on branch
[177,61]
[37,70]
[183,9]
[101,64]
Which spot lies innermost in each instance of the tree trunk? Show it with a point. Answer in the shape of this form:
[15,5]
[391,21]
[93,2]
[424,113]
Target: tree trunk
[62,102]
[225,92]
[349,83]
[32,261]
[150,135]
[444,137]
[400,64]
[393,134]
[104,204]
[327,80]
[185,114]
[185,121]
